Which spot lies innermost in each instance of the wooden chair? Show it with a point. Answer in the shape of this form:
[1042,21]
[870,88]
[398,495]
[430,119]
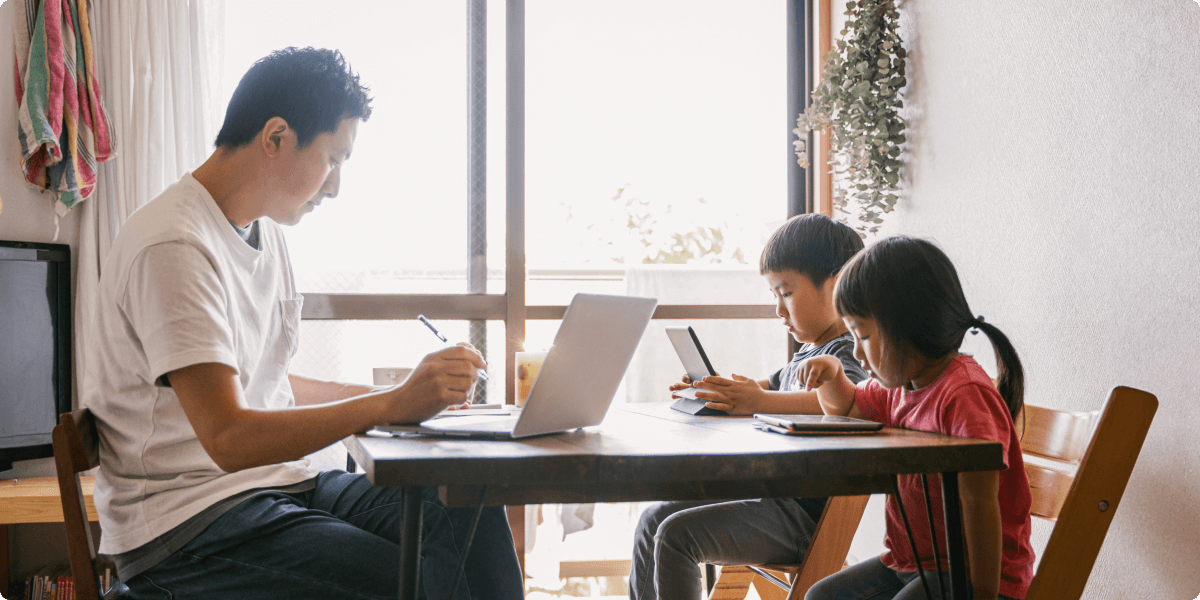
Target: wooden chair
[1081,501]
[826,555]
[76,449]
[1078,464]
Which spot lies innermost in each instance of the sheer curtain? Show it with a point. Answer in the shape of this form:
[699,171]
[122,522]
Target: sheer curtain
[157,66]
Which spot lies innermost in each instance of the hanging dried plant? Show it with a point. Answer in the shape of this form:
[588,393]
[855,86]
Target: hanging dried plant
[859,99]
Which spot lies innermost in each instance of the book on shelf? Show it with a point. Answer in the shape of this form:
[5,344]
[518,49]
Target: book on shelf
[52,582]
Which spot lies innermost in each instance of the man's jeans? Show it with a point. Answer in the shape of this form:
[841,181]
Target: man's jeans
[872,580]
[673,538]
[340,540]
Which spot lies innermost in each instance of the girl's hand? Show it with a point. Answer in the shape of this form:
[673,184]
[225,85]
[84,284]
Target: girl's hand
[687,383]
[736,396]
[818,370]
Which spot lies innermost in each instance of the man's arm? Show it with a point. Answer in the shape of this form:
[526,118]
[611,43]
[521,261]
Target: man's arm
[310,391]
[237,437]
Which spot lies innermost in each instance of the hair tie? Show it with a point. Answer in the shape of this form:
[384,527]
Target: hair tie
[976,323]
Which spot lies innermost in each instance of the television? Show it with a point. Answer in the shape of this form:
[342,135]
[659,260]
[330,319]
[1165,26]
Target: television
[35,347]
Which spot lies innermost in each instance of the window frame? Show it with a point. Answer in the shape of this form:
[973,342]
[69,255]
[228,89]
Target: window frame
[511,306]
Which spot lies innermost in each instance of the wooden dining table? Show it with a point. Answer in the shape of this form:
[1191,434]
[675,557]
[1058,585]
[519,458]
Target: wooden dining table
[650,452]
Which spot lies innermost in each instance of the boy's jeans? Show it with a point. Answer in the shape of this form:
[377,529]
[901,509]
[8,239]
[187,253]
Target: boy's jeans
[871,580]
[340,540]
[673,538]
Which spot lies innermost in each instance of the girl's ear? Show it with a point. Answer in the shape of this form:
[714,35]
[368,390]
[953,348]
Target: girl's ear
[273,134]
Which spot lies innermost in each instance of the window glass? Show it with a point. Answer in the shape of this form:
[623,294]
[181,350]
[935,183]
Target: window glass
[349,350]
[655,133]
[399,223]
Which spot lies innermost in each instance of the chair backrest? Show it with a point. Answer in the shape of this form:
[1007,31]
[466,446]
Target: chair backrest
[1078,465]
[76,449]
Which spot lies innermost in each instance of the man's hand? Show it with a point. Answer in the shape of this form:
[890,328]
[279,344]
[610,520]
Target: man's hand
[442,379]
[736,396]
[818,370]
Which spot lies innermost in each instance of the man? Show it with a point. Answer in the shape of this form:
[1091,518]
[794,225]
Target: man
[203,490]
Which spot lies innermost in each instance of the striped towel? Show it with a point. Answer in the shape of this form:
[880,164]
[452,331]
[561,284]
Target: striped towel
[62,125]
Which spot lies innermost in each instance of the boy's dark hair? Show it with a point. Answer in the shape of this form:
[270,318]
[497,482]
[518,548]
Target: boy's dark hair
[313,89]
[814,245]
[909,287]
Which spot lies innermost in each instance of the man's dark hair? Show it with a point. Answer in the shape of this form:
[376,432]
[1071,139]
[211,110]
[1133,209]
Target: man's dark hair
[813,245]
[313,89]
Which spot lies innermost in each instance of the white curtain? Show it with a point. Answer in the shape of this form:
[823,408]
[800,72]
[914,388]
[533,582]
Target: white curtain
[157,64]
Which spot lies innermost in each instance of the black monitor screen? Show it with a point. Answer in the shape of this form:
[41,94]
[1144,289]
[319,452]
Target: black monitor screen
[34,347]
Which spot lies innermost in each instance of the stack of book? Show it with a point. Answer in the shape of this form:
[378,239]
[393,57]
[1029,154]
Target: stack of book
[56,583]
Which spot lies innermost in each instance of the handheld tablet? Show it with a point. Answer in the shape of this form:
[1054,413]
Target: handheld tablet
[696,364]
[687,346]
[819,423]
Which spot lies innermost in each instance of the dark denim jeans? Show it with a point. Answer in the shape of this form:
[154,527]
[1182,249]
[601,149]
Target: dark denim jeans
[340,540]
[871,580]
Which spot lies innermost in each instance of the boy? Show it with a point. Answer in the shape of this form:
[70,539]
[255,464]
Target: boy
[203,490]
[800,263]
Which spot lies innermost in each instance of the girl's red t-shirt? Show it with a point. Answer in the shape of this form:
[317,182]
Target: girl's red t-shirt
[962,402]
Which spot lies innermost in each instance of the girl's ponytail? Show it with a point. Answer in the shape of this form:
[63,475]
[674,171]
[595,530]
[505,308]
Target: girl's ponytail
[911,289]
[1011,380]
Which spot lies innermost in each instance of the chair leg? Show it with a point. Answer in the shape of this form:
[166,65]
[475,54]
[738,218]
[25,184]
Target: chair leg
[767,590]
[733,583]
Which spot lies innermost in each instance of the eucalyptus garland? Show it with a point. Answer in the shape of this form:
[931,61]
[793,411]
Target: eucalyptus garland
[859,99]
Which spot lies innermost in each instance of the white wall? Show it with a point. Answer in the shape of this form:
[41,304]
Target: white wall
[1056,154]
[26,216]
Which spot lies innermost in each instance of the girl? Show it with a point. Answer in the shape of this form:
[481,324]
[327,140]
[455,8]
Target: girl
[902,301]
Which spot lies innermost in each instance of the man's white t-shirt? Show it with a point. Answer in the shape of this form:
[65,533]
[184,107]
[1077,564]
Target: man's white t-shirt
[180,288]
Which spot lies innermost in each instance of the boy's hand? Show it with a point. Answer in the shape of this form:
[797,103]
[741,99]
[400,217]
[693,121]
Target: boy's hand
[736,396]
[687,383]
[817,370]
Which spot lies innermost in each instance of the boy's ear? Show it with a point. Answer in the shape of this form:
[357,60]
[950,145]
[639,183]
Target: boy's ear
[273,134]
[829,285]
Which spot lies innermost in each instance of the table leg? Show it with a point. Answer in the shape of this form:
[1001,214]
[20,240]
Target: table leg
[410,544]
[955,549]
[937,560]
[516,523]
[4,560]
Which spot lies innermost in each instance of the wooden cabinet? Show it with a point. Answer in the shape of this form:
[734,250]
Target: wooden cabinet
[32,500]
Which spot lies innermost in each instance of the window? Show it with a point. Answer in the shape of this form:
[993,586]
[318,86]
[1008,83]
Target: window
[651,156]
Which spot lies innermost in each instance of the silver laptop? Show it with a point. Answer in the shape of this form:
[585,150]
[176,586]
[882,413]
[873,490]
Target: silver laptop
[578,379]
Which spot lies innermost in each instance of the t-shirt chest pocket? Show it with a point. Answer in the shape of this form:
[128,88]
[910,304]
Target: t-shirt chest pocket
[289,312]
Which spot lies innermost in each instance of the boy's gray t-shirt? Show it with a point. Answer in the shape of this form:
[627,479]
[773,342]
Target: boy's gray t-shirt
[786,380]
[842,347]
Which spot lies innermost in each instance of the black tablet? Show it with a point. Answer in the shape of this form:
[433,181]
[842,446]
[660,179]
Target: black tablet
[696,365]
[819,423]
[691,353]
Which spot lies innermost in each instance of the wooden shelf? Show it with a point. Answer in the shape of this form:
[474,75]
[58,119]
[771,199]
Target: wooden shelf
[35,500]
